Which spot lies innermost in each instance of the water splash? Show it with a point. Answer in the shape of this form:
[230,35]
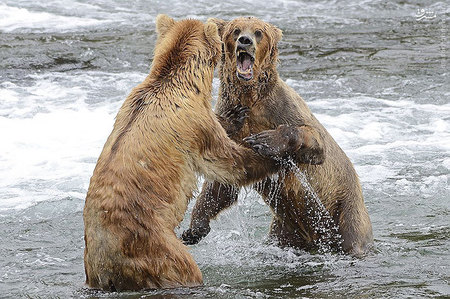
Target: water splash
[324,227]
[272,186]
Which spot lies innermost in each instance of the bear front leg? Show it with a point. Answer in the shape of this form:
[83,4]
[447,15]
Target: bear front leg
[213,198]
[302,143]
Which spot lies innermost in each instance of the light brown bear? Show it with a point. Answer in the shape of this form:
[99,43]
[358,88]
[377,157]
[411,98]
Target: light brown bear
[284,127]
[164,134]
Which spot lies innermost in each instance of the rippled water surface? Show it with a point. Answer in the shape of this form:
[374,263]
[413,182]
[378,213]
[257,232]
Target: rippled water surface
[375,73]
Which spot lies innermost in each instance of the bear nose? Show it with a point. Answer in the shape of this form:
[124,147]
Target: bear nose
[245,40]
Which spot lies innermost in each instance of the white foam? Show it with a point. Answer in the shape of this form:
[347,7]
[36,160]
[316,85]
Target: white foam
[55,146]
[432,183]
[446,163]
[386,124]
[51,137]
[374,174]
[13,18]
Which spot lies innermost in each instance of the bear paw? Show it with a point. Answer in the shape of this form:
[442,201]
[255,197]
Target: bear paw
[279,143]
[235,118]
[192,236]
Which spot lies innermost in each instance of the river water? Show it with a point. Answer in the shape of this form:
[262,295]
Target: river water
[375,73]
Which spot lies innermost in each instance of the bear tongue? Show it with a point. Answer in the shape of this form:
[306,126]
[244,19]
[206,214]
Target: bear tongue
[246,64]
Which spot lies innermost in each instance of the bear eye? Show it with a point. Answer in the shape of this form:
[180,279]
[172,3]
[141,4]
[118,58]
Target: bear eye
[258,35]
[236,32]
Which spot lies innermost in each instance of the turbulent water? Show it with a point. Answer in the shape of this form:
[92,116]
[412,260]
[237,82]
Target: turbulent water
[375,73]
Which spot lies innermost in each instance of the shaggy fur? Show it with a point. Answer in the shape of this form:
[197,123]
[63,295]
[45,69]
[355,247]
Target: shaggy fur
[164,134]
[284,128]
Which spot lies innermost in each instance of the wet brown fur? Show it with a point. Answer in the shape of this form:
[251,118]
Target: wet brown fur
[164,134]
[277,107]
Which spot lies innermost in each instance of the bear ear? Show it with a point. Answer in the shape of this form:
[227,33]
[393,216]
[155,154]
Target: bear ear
[220,25]
[163,24]
[212,33]
[277,34]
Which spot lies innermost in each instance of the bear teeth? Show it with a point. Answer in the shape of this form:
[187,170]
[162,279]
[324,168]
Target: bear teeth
[244,63]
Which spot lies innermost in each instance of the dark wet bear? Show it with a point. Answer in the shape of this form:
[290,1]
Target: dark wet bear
[282,126]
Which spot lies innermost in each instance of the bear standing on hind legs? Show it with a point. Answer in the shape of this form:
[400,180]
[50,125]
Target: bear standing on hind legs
[283,127]
[164,134]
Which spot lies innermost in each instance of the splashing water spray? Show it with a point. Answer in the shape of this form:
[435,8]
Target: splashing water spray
[327,231]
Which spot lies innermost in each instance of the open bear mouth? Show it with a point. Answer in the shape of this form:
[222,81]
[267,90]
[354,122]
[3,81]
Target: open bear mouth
[244,63]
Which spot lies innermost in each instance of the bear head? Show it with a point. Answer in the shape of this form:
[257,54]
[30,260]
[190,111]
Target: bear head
[249,45]
[179,41]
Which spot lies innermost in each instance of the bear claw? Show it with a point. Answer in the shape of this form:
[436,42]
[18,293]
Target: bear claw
[236,116]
